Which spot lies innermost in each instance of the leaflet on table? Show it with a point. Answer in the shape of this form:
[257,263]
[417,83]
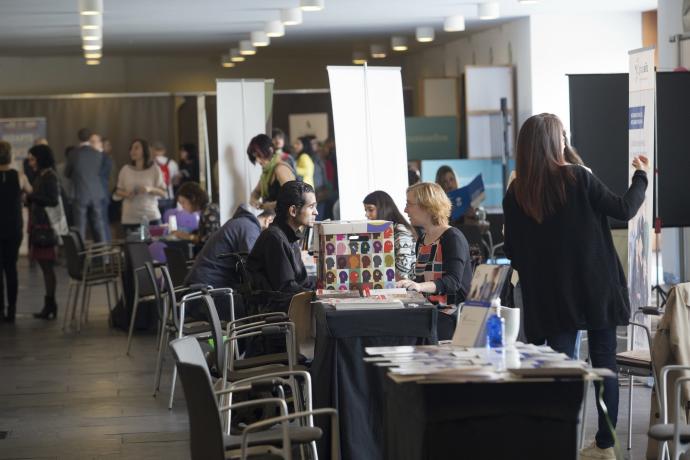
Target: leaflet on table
[471,194]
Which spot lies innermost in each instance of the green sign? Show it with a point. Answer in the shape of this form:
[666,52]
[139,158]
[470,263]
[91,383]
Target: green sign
[431,138]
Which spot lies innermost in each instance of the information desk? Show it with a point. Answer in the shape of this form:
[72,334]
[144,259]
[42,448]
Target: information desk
[342,380]
[530,420]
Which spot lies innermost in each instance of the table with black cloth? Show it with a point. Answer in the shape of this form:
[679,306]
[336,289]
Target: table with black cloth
[492,420]
[342,380]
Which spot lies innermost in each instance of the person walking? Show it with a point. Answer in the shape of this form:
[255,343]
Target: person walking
[83,169]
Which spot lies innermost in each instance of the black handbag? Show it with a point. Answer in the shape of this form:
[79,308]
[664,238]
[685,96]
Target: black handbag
[43,236]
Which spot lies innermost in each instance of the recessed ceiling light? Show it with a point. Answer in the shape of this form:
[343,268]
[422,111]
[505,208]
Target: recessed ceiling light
[425,34]
[275,28]
[399,43]
[291,16]
[377,51]
[259,38]
[90,7]
[454,23]
[528,2]
[311,5]
[91,22]
[93,54]
[246,48]
[488,10]
[235,55]
[359,58]
[92,46]
[226,62]
[92,62]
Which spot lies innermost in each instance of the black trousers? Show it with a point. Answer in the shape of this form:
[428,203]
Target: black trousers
[9,252]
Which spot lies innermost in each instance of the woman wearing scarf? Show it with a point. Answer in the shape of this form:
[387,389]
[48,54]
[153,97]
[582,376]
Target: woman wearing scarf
[274,172]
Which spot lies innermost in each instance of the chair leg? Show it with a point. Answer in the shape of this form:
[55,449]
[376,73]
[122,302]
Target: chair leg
[583,419]
[159,362]
[67,306]
[131,324]
[85,289]
[88,306]
[172,388]
[630,404]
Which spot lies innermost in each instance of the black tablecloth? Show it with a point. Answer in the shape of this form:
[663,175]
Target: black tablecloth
[524,420]
[342,380]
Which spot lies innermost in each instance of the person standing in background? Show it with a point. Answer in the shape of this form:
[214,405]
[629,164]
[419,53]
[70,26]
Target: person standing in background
[139,185]
[278,138]
[83,167]
[189,166]
[12,185]
[99,144]
[170,169]
[45,194]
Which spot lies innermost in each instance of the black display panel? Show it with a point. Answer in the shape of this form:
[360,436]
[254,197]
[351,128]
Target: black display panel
[599,127]
[673,147]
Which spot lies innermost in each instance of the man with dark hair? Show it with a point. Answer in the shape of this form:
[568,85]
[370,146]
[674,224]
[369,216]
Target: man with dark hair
[170,169]
[275,263]
[83,167]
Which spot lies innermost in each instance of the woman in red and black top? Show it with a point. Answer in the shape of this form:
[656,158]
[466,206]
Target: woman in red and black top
[443,271]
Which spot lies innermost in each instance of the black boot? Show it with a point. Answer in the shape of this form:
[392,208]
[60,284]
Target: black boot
[9,317]
[49,309]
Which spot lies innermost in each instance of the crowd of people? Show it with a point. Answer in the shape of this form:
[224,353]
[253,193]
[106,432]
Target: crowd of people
[555,209]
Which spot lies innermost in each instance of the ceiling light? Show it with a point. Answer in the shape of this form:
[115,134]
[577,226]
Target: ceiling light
[454,23]
[92,62]
[90,7]
[359,58]
[226,61]
[311,5]
[93,54]
[259,38]
[92,46]
[235,55]
[377,51]
[91,35]
[488,10]
[528,2]
[399,43]
[425,34]
[246,48]
[291,16]
[275,29]
[91,22]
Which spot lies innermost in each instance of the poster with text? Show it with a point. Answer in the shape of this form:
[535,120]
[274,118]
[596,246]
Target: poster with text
[641,119]
[21,134]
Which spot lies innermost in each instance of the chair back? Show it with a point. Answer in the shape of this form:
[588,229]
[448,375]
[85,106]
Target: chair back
[75,262]
[151,274]
[300,313]
[137,255]
[177,265]
[80,240]
[169,291]
[205,426]
[209,308]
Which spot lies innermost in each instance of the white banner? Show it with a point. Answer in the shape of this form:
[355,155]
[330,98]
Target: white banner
[241,109]
[369,119]
[641,122]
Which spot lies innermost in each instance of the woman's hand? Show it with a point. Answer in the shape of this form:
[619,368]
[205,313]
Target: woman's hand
[409,285]
[141,189]
[182,235]
[641,163]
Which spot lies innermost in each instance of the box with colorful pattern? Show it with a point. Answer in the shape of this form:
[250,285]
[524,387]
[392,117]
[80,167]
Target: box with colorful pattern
[355,254]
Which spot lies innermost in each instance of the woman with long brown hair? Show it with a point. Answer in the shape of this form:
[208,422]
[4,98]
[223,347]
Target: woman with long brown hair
[558,239]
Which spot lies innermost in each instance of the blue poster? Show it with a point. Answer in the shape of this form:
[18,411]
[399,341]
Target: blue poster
[21,134]
[471,194]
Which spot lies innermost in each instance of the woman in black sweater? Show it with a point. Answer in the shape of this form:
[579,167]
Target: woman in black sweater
[443,271]
[558,239]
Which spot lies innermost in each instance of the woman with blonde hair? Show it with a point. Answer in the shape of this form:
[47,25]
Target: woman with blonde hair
[443,271]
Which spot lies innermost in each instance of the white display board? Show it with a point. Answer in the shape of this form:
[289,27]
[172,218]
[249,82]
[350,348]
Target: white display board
[369,120]
[484,88]
[641,121]
[241,109]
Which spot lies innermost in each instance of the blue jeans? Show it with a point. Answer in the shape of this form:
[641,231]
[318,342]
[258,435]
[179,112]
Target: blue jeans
[105,204]
[602,353]
[92,210]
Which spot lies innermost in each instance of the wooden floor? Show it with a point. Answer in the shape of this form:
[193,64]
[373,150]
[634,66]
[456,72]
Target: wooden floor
[78,396]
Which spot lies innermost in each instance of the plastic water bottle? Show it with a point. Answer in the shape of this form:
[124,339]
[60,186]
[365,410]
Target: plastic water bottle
[144,233]
[495,330]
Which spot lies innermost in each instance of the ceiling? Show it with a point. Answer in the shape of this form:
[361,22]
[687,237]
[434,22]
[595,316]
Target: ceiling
[210,27]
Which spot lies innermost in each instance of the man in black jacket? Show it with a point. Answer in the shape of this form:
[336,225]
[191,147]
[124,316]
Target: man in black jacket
[275,263]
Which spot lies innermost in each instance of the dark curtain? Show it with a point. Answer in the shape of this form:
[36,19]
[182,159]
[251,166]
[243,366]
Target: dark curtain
[120,119]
